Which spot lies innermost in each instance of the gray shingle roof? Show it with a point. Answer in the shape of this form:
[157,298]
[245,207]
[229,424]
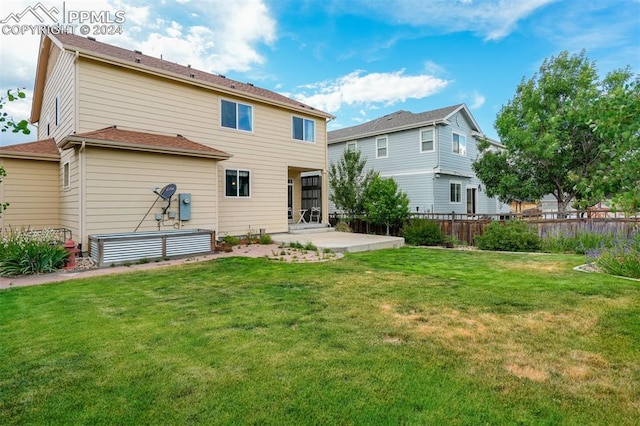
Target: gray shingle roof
[395,121]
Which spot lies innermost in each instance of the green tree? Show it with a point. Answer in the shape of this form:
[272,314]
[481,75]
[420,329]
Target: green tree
[547,129]
[8,123]
[348,183]
[384,203]
[615,118]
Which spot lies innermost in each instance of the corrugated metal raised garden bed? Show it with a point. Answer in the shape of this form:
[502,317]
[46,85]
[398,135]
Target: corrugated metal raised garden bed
[114,249]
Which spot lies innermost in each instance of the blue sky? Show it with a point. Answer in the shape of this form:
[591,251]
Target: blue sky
[358,59]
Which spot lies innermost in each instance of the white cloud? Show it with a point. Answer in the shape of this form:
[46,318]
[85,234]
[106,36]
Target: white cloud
[357,88]
[477,100]
[492,20]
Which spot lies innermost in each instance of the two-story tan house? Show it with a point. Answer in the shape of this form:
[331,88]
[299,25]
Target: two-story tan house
[113,124]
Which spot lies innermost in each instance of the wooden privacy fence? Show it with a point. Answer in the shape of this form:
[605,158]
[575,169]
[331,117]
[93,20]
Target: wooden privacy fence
[463,228]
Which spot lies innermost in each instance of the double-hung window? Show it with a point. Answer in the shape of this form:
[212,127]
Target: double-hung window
[237,183]
[235,115]
[426,140]
[459,144]
[382,147]
[456,192]
[304,129]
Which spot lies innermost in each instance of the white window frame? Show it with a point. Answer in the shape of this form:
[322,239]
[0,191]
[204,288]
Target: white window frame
[459,184]
[453,146]
[237,115]
[433,140]
[354,144]
[237,196]
[305,136]
[66,175]
[386,146]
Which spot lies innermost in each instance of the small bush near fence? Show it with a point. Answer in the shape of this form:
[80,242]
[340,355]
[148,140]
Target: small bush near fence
[510,236]
[26,253]
[422,232]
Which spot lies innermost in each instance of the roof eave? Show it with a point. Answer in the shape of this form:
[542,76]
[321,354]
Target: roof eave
[175,76]
[29,156]
[389,130]
[70,141]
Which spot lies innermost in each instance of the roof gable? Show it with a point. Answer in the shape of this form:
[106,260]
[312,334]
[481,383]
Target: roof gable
[112,137]
[45,149]
[400,120]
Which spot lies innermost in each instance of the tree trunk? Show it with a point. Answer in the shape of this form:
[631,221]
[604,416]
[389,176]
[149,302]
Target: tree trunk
[562,207]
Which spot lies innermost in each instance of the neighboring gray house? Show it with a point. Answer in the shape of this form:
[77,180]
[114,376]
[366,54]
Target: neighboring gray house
[429,154]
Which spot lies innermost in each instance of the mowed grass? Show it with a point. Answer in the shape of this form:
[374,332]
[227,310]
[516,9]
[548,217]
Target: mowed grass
[409,336]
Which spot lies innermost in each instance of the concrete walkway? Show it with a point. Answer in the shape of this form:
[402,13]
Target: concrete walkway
[341,242]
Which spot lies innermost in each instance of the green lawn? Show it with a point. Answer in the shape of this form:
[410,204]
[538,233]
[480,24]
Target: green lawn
[410,336]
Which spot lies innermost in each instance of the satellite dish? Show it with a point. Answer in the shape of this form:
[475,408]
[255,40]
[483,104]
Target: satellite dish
[167,192]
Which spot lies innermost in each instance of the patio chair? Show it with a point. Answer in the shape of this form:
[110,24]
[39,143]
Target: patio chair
[315,215]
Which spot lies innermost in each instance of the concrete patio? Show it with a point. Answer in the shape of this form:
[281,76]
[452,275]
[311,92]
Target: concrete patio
[340,242]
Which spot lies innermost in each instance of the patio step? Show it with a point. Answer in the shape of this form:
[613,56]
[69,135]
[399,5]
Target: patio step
[310,230]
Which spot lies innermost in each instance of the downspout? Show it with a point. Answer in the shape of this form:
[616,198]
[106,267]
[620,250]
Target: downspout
[81,193]
[436,138]
[76,110]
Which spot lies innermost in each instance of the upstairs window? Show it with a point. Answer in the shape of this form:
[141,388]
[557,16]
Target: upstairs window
[57,110]
[459,144]
[235,115]
[304,129]
[426,140]
[352,146]
[237,183]
[381,147]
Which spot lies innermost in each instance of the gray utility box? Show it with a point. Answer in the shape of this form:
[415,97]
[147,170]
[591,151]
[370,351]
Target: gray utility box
[184,200]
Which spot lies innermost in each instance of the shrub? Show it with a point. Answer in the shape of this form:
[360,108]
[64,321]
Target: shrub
[26,253]
[423,232]
[577,242]
[510,236]
[623,259]
[265,239]
[343,227]
[230,240]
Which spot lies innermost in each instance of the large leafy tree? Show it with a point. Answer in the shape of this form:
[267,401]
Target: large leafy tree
[549,130]
[348,182]
[7,122]
[384,203]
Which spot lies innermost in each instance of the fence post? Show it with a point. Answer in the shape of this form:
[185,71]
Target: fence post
[453,221]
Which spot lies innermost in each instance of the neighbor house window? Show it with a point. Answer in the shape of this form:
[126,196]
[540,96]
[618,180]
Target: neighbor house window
[426,140]
[235,115]
[57,110]
[381,147]
[237,183]
[456,191]
[459,144]
[66,175]
[352,146]
[304,129]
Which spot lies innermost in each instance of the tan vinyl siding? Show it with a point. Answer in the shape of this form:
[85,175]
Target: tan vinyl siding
[31,188]
[119,189]
[69,197]
[60,83]
[137,101]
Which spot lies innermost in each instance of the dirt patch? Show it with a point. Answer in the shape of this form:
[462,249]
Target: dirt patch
[520,344]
